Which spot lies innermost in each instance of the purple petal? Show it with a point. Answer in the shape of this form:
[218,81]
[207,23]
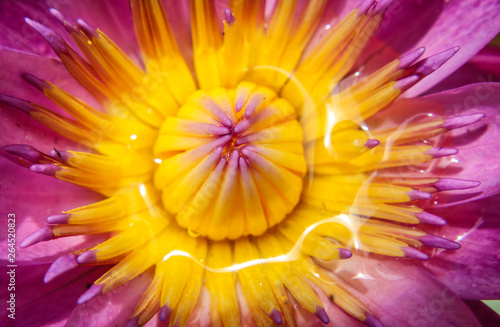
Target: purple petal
[401,293]
[472,271]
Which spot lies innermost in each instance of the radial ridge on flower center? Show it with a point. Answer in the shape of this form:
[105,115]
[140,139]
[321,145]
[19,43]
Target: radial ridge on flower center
[232,162]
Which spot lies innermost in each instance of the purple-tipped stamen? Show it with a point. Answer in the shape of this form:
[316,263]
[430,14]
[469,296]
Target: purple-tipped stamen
[442,152]
[432,63]
[321,314]
[45,169]
[242,126]
[428,218]
[60,266]
[92,292]
[371,321]
[89,30]
[275,316]
[438,242]
[165,312]
[448,184]
[58,219]
[35,81]
[55,40]
[22,105]
[461,121]
[407,82]
[60,155]
[15,159]
[415,254]
[87,257]
[68,24]
[409,58]
[229,17]
[344,253]
[371,143]
[418,195]
[41,235]
[134,322]
[24,151]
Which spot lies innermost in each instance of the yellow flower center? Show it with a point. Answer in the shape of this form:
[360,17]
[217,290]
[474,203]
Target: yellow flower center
[234,162]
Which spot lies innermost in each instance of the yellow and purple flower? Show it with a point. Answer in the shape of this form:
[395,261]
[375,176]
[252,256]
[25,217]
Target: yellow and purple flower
[251,162]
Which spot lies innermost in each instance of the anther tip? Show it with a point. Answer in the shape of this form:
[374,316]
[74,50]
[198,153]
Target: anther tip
[438,242]
[24,151]
[229,17]
[449,184]
[275,316]
[58,219]
[134,322]
[45,169]
[86,257]
[428,218]
[415,254]
[41,235]
[418,195]
[60,266]
[92,292]
[164,312]
[442,152]
[344,253]
[371,321]
[371,143]
[321,314]
[461,121]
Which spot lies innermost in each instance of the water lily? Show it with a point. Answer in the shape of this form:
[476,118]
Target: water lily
[250,162]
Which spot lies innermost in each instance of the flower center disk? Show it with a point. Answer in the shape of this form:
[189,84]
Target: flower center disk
[232,162]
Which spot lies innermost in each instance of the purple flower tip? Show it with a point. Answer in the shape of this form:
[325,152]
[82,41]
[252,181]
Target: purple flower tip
[321,314]
[41,235]
[438,242]
[430,64]
[22,105]
[55,40]
[24,151]
[229,16]
[409,58]
[60,266]
[87,257]
[428,218]
[415,254]
[461,121]
[442,152]
[134,322]
[407,82]
[371,321]
[86,28]
[371,143]
[448,184]
[91,293]
[275,316]
[418,195]
[344,253]
[58,219]
[45,169]
[165,312]
[35,81]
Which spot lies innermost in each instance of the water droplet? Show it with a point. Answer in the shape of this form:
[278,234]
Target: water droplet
[328,26]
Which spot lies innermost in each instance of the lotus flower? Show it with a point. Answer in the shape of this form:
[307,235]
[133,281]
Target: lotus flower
[292,163]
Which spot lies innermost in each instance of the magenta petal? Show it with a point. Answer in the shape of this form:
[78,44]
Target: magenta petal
[472,271]
[401,293]
[112,308]
[35,301]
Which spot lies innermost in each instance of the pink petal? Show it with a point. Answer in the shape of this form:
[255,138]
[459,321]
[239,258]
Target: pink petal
[400,293]
[39,304]
[472,271]
[112,308]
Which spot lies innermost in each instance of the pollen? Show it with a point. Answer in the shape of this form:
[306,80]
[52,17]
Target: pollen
[232,162]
